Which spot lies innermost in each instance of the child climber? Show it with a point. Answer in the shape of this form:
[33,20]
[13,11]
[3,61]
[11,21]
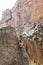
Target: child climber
[20,45]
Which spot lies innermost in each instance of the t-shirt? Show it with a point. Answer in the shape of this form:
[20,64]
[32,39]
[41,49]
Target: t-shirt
[20,44]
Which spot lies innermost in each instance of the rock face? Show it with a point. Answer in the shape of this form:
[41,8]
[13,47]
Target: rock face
[26,15]
[6,15]
[35,43]
[9,53]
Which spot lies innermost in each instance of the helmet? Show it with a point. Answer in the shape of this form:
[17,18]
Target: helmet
[20,40]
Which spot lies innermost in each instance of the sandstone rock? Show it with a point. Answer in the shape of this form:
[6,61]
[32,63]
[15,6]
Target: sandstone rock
[6,15]
[26,14]
[9,53]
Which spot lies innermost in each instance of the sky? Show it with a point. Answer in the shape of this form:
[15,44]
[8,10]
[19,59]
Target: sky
[5,4]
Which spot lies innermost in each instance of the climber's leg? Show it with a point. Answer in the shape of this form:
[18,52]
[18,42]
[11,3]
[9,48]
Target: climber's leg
[20,48]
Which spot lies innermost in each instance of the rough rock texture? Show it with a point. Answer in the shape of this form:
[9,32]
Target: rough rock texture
[26,14]
[35,44]
[9,53]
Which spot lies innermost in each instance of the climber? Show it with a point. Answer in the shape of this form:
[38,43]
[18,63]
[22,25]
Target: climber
[20,44]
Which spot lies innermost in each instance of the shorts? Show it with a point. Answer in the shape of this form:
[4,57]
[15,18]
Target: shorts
[20,48]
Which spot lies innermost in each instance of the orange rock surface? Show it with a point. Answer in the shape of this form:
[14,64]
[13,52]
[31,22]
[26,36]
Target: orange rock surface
[25,14]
